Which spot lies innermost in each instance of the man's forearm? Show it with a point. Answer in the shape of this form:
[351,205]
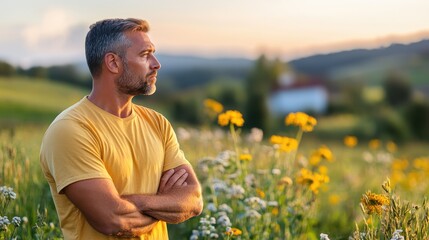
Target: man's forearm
[106,211]
[137,223]
[175,206]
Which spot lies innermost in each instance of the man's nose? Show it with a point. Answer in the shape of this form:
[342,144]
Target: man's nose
[155,63]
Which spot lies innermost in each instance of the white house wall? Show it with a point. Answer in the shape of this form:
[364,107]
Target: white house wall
[314,99]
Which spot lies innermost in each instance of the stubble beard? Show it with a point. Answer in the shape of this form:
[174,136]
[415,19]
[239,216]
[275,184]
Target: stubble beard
[135,85]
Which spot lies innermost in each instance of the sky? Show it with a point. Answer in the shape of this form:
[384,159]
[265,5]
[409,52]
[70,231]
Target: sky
[46,32]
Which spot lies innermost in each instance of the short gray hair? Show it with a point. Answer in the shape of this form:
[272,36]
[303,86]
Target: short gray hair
[109,36]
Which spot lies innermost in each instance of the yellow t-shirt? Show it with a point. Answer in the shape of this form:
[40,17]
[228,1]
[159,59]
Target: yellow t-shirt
[86,142]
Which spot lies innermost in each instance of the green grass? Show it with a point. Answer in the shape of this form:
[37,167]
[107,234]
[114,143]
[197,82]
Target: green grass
[24,100]
[27,106]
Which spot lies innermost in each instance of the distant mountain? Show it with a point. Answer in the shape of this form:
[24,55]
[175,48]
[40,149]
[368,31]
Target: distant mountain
[181,62]
[184,72]
[190,71]
[325,64]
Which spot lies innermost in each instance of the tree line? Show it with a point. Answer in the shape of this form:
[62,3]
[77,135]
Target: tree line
[68,73]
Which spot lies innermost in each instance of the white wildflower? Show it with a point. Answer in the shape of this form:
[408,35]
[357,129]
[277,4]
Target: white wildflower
[4,222]
[276,171]
[253,214]
[183,134]
[224,221]
[16,221]
[255,203]
[212,220]
[384,157]
[250,180]
[324,236]
[397,235]
[211,207]
[255,135]
[225,208]
[236,191]
[214,235]
[220,186]
[7,193]
[367,156]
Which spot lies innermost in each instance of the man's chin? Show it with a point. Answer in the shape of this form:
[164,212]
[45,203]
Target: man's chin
[151,91]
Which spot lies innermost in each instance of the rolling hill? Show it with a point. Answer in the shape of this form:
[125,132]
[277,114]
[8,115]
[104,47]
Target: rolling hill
[25,100]
[370,65]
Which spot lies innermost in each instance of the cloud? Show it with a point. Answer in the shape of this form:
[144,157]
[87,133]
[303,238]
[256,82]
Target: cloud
[53,25]
[53,39]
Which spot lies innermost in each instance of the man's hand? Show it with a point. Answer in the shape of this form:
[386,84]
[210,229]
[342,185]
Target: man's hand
[178,199]
[171,179]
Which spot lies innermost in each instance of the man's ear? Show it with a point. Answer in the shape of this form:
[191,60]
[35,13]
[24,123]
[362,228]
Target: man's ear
[112,62]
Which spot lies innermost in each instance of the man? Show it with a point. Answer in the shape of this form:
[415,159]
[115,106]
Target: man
[115,169]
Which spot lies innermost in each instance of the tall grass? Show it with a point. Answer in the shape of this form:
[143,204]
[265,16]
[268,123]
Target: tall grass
[253,188]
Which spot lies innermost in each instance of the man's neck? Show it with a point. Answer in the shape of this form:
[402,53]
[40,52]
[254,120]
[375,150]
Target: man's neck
[118,105]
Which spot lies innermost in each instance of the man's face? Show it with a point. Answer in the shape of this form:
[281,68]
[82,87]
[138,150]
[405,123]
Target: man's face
[139,66]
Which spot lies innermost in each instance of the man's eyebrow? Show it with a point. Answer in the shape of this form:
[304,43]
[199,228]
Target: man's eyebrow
[148,50]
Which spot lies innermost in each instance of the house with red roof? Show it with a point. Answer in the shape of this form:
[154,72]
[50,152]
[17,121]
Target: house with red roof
[293,95]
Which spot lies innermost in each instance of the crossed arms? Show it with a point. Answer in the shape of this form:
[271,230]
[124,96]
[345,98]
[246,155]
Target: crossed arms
[178,199]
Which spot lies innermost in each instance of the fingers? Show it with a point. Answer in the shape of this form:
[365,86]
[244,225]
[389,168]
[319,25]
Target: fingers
[164,179]
[172,179]
[181,180]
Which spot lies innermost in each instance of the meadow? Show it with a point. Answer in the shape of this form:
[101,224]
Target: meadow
[289,185]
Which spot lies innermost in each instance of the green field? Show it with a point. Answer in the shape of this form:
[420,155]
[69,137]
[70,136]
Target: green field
[34,100]
[27,106]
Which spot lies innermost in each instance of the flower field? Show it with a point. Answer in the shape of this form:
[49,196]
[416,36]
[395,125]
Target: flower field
[289,185]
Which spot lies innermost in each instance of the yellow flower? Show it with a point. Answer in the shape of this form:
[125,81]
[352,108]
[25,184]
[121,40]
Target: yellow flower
[277,227]
[302,120]
[223,119]
[321,153]
[285,144]
[213,105]
[275,139]
[313,180]
[323,170]
[334,199]
[397,176]
[400,164]
[421,163]
[289,145]
[233,232]
[275,211]
[245,157]
[260,193]
[287,181]
[369,221]
[350,141]
[413,179]
[372,202]
[374,144]
[391,147]
[231,117]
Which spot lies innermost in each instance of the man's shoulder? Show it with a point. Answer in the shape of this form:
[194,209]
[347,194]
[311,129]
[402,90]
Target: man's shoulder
[147,112]
[70,117]
[74,111]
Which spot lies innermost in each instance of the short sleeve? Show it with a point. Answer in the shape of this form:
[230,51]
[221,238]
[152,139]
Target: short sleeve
[174,156]
[71,153]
